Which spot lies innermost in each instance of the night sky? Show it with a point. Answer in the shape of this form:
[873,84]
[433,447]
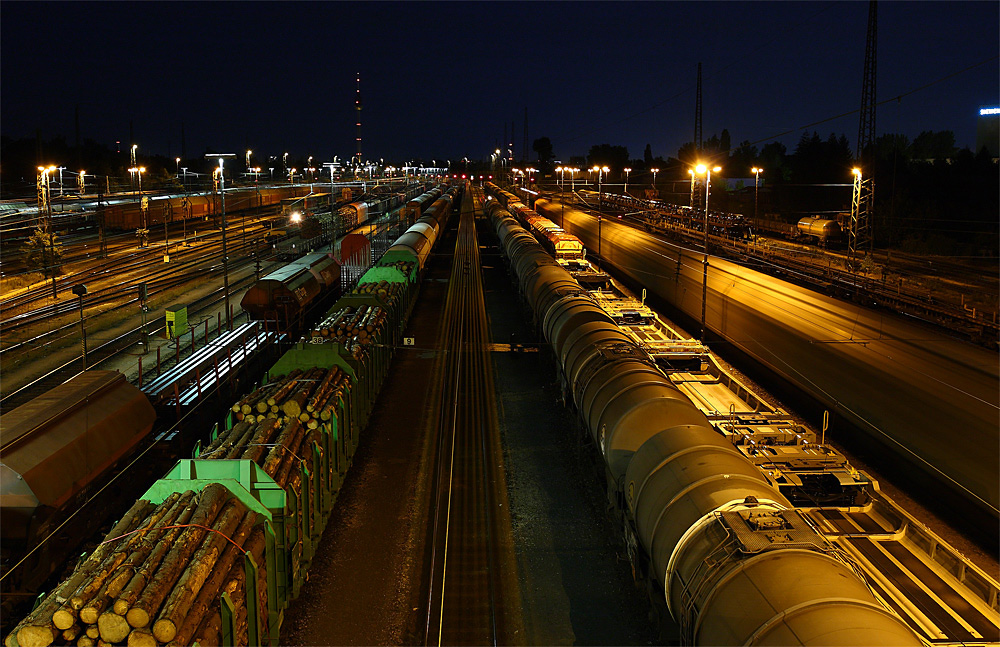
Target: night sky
[439,80]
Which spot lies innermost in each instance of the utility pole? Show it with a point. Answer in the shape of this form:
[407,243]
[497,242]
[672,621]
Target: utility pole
[697,113]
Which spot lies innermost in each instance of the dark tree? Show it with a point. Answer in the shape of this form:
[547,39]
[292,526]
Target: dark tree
[543,146]
[647,156]
[614,157]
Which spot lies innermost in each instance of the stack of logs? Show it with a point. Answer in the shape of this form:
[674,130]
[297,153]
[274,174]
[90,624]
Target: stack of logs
[158,577]
[404,267]
[353,328]
[310,396]
[383,289]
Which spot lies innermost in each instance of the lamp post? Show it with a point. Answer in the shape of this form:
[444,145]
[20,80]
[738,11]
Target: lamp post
[627,171]
[141,232]
[756,188]
[45,194]
[572,179]
[701,168]
[655,171]
[562,182]
[691,199]
[177,162]
[81,182]
[80,290]
[225,254]
[284,160]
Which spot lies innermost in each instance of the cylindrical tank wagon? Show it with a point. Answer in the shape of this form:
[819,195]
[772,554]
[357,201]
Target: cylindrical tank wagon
[733,559]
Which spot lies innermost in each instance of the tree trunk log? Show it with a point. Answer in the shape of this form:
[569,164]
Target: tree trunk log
[141,638]
[113,627]
[262,436]
[199,568]
[282,449]
[209,592]
[213,497]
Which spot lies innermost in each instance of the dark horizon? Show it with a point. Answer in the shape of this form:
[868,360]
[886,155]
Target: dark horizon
[443,80]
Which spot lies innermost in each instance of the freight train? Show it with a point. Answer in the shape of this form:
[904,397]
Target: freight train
[127,216]
[284,296]
[711,520]
[217,549]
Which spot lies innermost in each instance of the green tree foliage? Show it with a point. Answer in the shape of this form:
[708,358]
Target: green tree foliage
[43,253]
[614,157]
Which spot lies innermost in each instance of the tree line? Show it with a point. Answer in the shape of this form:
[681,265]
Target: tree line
[930,196]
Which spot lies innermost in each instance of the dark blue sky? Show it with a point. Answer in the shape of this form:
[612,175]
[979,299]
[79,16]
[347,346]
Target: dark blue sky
[440,79]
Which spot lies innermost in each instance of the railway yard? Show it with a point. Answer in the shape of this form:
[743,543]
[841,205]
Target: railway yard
[457,421]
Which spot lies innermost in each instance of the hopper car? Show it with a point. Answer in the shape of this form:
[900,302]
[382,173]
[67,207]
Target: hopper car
[272,502]
[702,519]
[286,294]
[57,450]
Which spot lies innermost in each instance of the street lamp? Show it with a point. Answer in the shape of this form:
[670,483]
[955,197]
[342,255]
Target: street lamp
[81,182]
[225,254]
[284,160]
[177,162]
[691,199]
[572,179]
[141,233]
[249,153]
[701,168]
[655,171]
[45,189]
[627,171]
[756,188]
[562,182]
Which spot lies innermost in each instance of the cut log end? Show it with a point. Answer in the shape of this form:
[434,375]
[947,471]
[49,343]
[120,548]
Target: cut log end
[164,630]
[63,619]
[37,636]
[113,627]
[141,638]
[137,617]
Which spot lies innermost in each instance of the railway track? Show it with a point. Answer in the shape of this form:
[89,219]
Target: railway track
[466,597]
[904,293]
[108,350]
[21,308]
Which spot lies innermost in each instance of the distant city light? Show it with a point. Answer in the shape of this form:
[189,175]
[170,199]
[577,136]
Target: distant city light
[989,111]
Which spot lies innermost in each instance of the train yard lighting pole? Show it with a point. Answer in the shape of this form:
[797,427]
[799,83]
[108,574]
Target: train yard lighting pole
[225,254]
[562,179]
[45,206]
[701,168]
[756,188]
[177,163]
[80,290]
[691,199]
[627,171]
[572,179]
[655,171]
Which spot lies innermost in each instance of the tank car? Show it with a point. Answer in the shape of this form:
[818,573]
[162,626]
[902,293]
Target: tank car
[823,231]
[735,562]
